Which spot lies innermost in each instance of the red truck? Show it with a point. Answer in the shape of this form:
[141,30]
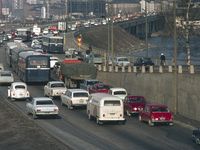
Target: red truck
[156,113]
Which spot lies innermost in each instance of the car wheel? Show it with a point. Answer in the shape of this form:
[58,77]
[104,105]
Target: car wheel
[128,113]
[140,118]
[62,103]
[34,116]
[197,141]
[89,116]
[150,123]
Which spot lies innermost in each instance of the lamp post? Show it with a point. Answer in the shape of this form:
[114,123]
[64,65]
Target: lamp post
[146,29]
[187,34]
[175,62]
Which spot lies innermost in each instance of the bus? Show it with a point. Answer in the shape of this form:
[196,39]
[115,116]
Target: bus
[15,56]
[52,44]
[9,48]
[24,33]
[33,67]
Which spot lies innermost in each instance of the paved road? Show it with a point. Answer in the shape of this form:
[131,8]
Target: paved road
[73,129]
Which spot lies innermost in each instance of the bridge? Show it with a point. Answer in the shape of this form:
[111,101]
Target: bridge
[137,26]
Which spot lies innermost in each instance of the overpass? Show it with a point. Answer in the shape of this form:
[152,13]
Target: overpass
[137,26]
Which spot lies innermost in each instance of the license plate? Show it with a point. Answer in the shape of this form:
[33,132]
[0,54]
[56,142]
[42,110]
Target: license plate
[81,101]
[162,118]
[112,113]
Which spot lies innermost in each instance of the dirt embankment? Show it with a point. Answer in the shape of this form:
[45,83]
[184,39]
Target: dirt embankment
[19,133]
[122,41]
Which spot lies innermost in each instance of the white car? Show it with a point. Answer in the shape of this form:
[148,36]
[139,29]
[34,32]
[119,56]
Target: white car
[18,90]
[40,106]
[119,92]
[54,88]
[75,97]
[121,61]
[6,77]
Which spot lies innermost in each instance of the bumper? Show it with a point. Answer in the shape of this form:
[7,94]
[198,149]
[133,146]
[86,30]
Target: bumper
[46,113]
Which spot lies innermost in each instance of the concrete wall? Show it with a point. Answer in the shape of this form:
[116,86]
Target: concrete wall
[160,88]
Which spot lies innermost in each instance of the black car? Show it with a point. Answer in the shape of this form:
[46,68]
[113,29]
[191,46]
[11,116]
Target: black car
[143,61]
[196,136]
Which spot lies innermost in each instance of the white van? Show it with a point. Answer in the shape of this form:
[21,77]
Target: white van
[119,92]
[105,107]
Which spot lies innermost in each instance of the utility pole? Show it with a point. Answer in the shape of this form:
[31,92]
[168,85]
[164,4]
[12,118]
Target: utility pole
[187,34]
[175,62]
[146,29]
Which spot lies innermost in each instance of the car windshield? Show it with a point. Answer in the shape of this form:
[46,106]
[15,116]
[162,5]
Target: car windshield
[58,85]
[119,93]
[20,87]
[136,100]
[103,86]
[159,109]
[44,102]
[123,59]
[147,59]
[112,103]
[6,74]
[81,94]
[92,82]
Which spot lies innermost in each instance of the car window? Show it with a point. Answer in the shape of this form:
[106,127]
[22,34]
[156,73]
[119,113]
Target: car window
[81,94]
[111,103]
[58,85]
[136,99]
[119,93]
[159,109]
[20,87]
[44,102]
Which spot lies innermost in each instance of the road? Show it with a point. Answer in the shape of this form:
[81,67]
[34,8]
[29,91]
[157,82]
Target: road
[75,131]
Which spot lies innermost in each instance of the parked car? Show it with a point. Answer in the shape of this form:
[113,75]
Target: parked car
[156,113]
[40,106]
[54,88]
[143,61]
[99,88]
[121,61]
[120,92]
[6,77]
[74,97]
[18,90]
[105,108]
[134,104]
[196,136]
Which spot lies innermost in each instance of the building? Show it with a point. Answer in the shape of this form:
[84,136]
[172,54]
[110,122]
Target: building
[18,4]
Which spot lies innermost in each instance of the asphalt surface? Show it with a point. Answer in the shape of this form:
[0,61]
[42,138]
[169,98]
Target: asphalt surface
[72,130]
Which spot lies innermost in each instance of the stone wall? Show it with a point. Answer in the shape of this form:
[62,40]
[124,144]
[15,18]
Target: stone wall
[160,88]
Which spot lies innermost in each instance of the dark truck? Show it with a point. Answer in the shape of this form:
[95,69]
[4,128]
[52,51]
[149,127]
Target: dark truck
[73,72]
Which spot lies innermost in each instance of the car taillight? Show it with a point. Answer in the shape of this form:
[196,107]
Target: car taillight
[38,110]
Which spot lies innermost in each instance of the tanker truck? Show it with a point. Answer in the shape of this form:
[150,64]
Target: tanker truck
[73,72]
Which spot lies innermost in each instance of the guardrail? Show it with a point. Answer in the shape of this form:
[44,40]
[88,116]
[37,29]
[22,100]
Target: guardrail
[149,69]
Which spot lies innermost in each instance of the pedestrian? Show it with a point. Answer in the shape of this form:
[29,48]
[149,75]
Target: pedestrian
[162,59]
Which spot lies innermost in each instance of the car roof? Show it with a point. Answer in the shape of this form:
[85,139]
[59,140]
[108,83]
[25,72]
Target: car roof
[118,89]
[104,96]
[77,90]
[134,96]
[18,83]
[53,82]
[41,98]
[156,105]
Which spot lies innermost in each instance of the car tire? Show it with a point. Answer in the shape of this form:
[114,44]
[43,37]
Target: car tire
[128,113]
[140,118]
[89,116]
[34,116]
[150,122]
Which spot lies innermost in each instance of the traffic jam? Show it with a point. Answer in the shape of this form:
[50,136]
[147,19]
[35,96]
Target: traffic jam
[73,82]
